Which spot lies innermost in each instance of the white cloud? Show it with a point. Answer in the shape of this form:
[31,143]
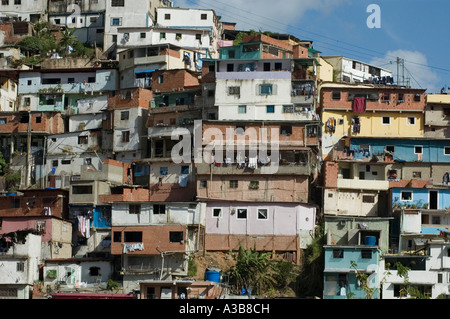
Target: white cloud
[416,69]
[264,15]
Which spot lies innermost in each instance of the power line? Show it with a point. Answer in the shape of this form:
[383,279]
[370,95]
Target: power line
[246,20]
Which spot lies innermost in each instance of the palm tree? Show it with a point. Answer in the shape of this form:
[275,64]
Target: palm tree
[252,269]
[67,39]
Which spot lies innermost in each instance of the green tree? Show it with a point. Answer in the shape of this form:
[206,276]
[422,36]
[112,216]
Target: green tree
[252,269]
[310,280]
[408,289]
[67,39]
[363,279]
[12,177]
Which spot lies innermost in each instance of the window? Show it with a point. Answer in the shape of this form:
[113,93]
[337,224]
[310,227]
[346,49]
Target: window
[390,148]
[91,79]
[386,97]
[20,267]
[94,271]
[241,213]
[162,35]
[51,81]
[417,98]
[125,136]
[217,212]
[124,115]
[263,213]
[230,67]
[286,129]
[143,35]
[27,101]
[399,291]
[163,171]
[134,209]
[159,209]
[368,199]
[270,108]
[117,237]
[411,120]
[66,162]
[178,36]
[167,16]
[82,189]
[240,129]
[203,16]
[265,89]
[386,120]
[132,236]
[335,96]
[418,149]
[446,150]
[234,90]
[234,184]
[176,236]
[401,98]
[17,1]
[82,139]
[288,108]
[160,79]
[184,170]
[55,163]
[253,185]
[117,3]
[338,253]
[417,174]
[198,37]
[116,21]
[366,254]
[242,109]
[15,202]
[436,220]
[3,120]
[203,184]
[29,82]
[406,195]
[93,19]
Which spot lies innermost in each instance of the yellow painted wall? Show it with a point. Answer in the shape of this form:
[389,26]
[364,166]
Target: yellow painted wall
[371,124]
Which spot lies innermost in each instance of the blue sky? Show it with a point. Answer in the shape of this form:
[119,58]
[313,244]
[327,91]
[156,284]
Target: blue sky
[415,30]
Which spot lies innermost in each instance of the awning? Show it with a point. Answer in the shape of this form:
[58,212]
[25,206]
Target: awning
[145,71]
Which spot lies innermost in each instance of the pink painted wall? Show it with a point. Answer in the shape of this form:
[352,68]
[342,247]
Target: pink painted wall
[15,224]
[283,218]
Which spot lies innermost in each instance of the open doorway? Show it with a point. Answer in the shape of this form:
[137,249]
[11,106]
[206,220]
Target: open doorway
[433,200]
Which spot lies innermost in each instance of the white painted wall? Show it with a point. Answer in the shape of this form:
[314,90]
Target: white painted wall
[79,272]
[250,96]
[176,213]
[85,122]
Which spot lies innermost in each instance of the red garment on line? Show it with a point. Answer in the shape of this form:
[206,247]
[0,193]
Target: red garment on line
[359,104]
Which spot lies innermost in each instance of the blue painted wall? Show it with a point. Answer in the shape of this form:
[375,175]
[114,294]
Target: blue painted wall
[343,265]
[432,150]
[420,197]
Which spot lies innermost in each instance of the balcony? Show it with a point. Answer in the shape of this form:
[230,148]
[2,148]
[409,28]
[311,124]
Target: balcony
[303,92]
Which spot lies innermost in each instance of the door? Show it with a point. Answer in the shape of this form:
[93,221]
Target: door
[433,198]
